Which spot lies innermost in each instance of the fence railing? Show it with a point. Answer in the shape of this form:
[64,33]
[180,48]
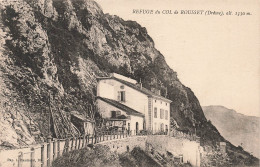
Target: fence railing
[180,134]
[54,148]
[44,154]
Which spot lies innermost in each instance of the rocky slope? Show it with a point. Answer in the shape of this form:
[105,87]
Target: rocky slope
[236,127]
[51,53]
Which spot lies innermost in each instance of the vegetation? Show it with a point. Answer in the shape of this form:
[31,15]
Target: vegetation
[98,156]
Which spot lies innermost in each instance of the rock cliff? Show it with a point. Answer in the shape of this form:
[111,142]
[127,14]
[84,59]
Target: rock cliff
[51,53]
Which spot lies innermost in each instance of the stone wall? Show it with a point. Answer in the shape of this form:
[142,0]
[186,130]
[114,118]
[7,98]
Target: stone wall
[126,144]
[189,150]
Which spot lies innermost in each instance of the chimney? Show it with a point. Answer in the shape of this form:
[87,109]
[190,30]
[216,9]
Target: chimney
[140,84]
[156,91]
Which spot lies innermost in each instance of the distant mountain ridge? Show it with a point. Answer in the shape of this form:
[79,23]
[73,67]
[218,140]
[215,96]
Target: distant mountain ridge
[236,127]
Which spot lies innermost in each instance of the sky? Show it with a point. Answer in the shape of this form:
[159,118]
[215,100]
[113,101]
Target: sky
[218,57]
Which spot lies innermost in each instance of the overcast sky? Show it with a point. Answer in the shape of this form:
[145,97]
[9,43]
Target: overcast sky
[218,57]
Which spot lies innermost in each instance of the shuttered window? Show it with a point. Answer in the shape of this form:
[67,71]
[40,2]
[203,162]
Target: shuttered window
[161,113]
[166,114]
[155,112]
[121,96]
[113,114]
[118,113]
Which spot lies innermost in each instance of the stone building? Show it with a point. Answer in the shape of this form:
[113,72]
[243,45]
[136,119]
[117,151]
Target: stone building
[83,124]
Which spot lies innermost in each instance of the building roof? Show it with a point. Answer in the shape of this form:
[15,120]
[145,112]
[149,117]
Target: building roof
[137,87]
[128,110]
[81,117]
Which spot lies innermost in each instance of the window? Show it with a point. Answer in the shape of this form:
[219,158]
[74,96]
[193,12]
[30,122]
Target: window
[113,114]
[166,114]
[118,113]
[162,127]
[161,113]
[155,112]
[121,96]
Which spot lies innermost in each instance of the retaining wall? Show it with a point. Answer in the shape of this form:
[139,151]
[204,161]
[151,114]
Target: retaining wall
[126,144]
[189,150]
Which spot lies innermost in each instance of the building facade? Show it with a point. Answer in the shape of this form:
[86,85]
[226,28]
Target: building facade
[122,100]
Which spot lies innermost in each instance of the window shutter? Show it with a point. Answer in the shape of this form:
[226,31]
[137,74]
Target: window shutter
[118,113]
[123,94]
[161,113]
[113,113]
[155,112]
[118,95]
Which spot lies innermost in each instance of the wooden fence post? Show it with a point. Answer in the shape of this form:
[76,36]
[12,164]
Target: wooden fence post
[20,159]
[92,142]
[123,134]
[49,155]
[58,148]
[43,154]
[72,143]
[76,142]
[79,142]
[103,136]
[84,141]
[32,157]
[54,148]
[69,145]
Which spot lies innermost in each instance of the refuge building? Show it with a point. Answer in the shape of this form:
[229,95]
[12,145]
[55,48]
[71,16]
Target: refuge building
[127,105]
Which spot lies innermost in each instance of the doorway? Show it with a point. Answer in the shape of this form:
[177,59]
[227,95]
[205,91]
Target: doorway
[137,127]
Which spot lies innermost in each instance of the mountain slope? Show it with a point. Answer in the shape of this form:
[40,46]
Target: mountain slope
[53,50]
[235,127]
